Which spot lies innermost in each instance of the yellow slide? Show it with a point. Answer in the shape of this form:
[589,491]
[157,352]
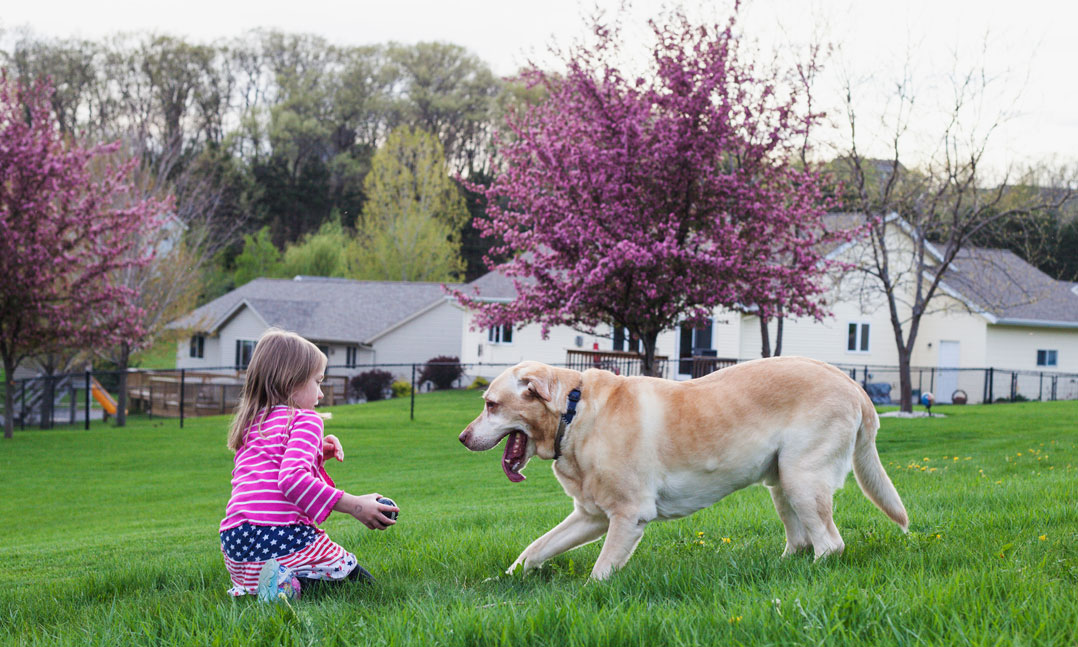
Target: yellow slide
[102,397]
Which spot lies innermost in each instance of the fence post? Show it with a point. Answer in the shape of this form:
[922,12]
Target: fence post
[1040,388]
[22,407]
[74,400]
[413,393]
[87,400]
[991,384]
[1014,385]
[1055,381]
[182,382]
[865,378]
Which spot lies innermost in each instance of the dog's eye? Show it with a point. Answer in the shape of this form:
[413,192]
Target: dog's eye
[491,406]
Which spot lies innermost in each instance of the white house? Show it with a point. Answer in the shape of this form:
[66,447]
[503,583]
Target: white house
[995,310]
[356,323]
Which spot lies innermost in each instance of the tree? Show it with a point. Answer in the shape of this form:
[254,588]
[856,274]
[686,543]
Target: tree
[63,233]
[644,201]
[322,253]
[920,219]
[413,215]
[260,257]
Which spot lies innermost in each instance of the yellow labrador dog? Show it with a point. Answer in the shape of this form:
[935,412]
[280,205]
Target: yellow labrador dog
[630,450]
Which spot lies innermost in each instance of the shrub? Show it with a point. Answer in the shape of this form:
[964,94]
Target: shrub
[401,389]
[372,384]
[442,371]
[478,383]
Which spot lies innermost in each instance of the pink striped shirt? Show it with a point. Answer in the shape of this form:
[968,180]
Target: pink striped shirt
[278,478]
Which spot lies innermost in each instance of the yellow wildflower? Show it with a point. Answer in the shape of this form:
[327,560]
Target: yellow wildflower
[735,619]
[1043,537]
[725,540]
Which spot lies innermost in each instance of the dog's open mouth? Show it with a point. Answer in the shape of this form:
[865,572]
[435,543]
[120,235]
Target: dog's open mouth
[514,458]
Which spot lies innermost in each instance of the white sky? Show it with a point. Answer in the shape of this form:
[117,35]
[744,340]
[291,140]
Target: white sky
[1032,45]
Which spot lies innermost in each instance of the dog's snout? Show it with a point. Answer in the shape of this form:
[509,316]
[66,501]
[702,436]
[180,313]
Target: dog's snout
[464,436]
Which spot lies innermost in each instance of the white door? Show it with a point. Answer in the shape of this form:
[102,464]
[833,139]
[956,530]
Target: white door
[947,377]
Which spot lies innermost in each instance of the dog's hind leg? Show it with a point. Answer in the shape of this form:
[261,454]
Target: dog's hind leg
[811,499]
[797,538]
[621,540]
[575,530]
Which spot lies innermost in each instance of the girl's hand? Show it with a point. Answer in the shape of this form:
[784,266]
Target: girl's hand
[331,448]
[367,510]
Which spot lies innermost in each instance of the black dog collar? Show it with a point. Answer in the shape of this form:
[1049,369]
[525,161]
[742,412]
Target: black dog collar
[566,420]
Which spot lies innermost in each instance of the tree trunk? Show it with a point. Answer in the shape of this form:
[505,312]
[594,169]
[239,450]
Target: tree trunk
[9,395]
[121,397]
[905,381]
[648,367]
[778,336]
[765,338]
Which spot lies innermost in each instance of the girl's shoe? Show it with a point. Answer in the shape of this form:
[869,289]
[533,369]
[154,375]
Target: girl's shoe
[276,583]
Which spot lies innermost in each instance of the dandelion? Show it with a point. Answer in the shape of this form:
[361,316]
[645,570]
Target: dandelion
[1019,453]
[700,534]
[1043,537]
[926,458]
[725,540]
[939,536]
[735,619]
[701,542]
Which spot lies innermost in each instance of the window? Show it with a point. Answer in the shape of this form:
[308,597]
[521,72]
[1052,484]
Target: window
[694,342]
[1047,358]
[244,348]
[324,349]
[857,338]
[351,357]
[500,335]
[623,340]
[198,346]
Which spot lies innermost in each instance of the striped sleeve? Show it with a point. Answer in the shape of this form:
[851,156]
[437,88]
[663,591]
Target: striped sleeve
[300,468]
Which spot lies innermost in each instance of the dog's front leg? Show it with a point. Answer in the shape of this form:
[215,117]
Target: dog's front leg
[621,540]
[577,529]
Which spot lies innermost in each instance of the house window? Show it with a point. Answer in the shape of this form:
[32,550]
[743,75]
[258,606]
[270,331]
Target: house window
[857,338]
[198,346]
[500,335]
[324,349]
[244,348]
[1047,358]
[351,357]
[623,340]
[695,342]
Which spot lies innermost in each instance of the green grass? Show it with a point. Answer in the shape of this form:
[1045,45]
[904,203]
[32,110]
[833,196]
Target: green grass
[109,537]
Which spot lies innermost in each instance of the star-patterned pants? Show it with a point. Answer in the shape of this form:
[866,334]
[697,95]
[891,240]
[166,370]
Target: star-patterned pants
[306,550]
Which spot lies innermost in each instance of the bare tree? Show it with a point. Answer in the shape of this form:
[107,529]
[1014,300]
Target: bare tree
[921,219]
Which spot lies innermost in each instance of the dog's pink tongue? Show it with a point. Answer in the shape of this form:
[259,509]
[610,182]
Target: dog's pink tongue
[515,447]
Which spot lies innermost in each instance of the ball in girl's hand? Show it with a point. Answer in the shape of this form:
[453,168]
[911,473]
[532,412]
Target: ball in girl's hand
[388,501]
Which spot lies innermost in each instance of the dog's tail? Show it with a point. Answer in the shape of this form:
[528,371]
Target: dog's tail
[869,470]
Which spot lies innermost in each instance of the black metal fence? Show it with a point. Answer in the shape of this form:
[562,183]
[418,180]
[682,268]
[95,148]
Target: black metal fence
[78,398]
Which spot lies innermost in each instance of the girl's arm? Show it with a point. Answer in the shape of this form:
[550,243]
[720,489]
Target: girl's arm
[366,509]
[310,494]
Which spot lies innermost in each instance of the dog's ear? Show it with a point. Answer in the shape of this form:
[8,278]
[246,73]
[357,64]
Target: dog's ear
[537,385]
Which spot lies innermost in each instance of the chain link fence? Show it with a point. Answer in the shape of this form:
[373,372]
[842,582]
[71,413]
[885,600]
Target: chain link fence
[79,398]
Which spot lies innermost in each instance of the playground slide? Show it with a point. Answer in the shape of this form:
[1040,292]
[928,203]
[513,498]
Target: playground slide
[102,397]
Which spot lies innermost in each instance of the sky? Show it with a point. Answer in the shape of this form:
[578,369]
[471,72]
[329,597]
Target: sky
[1024,48]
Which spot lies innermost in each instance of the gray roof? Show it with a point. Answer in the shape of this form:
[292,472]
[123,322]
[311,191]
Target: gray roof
[319,308]
[1011,289]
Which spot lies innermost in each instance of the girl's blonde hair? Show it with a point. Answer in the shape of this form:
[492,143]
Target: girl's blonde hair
[281,362]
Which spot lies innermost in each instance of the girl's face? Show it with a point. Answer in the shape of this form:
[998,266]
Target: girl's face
[309,393]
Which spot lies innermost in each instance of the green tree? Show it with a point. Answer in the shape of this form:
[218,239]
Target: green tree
[322,253]
[413,215]
[260,257]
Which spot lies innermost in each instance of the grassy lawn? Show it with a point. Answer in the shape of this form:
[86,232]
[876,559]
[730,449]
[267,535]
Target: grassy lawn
[110,537]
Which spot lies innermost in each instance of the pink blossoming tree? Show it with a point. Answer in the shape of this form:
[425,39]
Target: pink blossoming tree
[645,201]
[65,227]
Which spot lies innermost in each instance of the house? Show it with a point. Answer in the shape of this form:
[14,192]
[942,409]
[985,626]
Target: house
[355,323]
[994,310]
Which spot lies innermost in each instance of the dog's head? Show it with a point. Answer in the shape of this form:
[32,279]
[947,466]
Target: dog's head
[522,403]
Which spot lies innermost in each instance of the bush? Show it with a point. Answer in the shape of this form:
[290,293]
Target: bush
[372,384]
[478,383]
[442,371]
[401,389]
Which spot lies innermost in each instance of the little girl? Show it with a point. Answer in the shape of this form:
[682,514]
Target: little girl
[280,490]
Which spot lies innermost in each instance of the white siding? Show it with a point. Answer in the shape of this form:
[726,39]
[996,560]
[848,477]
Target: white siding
[435,332]
[220,350]
[1015,347]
